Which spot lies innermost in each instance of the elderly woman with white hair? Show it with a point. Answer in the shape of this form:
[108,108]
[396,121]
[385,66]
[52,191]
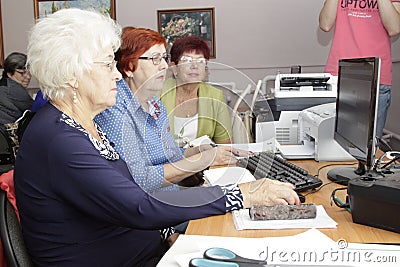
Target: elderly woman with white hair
[78,203]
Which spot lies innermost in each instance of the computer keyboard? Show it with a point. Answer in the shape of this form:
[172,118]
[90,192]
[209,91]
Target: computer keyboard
[267,164]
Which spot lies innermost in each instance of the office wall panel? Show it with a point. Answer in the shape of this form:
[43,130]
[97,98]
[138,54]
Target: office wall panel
[258,37]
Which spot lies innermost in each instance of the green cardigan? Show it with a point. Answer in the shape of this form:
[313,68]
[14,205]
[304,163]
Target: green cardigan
[214,119]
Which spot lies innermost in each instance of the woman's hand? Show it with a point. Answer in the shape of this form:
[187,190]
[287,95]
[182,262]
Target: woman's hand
[222,155]
[267,192]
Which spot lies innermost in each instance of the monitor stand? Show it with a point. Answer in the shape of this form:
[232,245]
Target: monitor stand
[342,175]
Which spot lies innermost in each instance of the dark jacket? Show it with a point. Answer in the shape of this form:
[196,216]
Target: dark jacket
[14,100]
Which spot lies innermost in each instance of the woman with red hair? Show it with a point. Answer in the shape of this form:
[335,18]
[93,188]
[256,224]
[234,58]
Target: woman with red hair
[194,107]
[138,124]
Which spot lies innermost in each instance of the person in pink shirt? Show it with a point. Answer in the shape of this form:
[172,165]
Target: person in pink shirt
[363,29]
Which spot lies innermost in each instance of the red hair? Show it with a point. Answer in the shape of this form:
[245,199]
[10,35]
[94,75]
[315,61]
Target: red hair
[189,44]
[135,42]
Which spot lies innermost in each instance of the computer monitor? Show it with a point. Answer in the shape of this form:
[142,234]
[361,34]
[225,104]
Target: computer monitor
[356,115]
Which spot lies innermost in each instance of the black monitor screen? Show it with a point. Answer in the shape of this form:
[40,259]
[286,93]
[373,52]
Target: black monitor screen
[356,107]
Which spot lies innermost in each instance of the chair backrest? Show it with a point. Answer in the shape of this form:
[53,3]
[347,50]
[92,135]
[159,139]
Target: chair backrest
[6,155]
[11,235]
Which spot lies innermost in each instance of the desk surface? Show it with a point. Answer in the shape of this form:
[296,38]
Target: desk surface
[223,225]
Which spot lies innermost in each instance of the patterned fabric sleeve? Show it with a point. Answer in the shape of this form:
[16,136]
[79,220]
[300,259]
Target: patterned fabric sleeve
[167,232]
[233,198]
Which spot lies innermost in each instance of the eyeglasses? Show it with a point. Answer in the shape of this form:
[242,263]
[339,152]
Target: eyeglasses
[22,71]
[157,57]
[187,59]
[109,64]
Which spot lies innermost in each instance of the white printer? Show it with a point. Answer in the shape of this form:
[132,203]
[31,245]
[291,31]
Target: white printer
[291,94]
[316,133]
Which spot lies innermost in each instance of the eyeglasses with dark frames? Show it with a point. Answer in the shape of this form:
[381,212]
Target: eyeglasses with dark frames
[187,59]
[111,65]
[157,57]
[22,71]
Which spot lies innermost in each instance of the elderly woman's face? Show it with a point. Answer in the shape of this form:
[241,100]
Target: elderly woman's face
[151,68]
[191,68]
[98,88]
[21,76]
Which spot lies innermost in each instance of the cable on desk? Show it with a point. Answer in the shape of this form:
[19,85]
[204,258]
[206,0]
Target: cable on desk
[339,202]
[319,188]
[332,164]
[325,184]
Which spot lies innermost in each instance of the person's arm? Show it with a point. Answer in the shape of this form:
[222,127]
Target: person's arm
[20,97]
[327,16]
[390,15]
[177,171]
[156,176]
[105,190]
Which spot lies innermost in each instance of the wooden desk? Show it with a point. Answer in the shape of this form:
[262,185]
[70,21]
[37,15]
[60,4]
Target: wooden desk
[223,225]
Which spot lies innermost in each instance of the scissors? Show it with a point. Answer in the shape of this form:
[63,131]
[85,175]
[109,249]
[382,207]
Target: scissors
[215,257]
[222,257]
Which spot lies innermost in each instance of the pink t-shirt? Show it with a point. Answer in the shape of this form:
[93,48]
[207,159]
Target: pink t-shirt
[359,32]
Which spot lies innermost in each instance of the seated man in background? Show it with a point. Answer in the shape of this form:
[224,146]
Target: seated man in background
[14,99]
[194,107]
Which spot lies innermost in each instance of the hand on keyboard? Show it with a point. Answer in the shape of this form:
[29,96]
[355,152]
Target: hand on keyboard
[267,192]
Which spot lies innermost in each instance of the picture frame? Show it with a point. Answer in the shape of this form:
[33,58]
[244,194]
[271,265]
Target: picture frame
[1,41]
[200,22]
[44,7]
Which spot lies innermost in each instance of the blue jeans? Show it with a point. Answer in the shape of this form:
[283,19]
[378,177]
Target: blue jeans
[385,96]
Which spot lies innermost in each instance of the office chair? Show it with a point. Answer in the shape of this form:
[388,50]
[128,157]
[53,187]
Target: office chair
[6,155]
[11,235]
[23,122]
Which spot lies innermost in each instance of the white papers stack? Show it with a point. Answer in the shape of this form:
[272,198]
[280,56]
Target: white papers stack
[242,221]
[228,176]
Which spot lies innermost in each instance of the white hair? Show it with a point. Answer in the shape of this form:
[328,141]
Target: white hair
[63,45]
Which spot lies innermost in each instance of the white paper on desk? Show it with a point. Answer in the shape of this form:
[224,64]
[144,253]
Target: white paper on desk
[188,247]
[309,248]
[242,221]
[228,176]
[305,151]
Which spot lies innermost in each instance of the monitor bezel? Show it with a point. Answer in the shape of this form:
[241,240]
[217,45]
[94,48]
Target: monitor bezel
[348,145]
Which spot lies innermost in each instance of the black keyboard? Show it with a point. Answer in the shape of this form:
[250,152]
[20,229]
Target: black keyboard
[266,164]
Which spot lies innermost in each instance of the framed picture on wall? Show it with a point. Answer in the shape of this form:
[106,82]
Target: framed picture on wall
[200,22]
[1,41]
[46,7]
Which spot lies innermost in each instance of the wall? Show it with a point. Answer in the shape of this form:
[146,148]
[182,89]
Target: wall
[254,38]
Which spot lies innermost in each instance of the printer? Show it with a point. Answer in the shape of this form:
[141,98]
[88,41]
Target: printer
[291,94]
[316,135]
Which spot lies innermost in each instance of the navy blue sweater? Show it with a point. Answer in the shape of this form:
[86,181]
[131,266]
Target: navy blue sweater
[79,209]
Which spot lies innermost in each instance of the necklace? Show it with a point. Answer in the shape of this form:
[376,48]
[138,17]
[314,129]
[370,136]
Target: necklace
[186,108]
